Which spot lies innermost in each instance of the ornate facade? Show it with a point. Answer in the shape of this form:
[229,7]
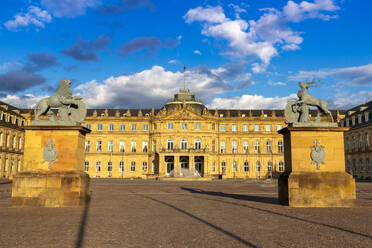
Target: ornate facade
[358,152]
[11,140]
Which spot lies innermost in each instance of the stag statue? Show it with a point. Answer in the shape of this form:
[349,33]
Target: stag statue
[298,110]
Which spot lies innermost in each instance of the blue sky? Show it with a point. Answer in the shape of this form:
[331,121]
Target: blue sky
[239,54]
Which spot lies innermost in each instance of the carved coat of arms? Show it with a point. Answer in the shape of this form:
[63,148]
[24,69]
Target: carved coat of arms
[317,154]
[50,153]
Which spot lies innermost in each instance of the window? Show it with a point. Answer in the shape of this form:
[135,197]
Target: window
[183,144]
[245,128]
[269,167]
[280,146]
[234,127]
[145,127]
[223,167]
[235,166]
[354,167]
[234,147]
[19,143]
[258,166]
[87,146]
[214,166]
[86,166]
[109,166]
[256,128]
[99,146]
[268,128]
[170,126]
[222,128]
[154,126]
[13,142]
[281,166]
[366,141]
[134,127]
[278,127]
[89,126]
[99,127]
[122,127]
[361,167]
[360,143]
[213,126]
[213,146]
[268,146]
[133,146]
[353,144]
[144,166]
[368,164]
[184,126]
[121,166]
[111,127]
[110,146]
[122,146]
[98,166]
[347,145]
[223,147]
[197,126]
[144,146]
[246,146]
[257,147]
[197,144]
[246,166]
[132,166]
[348,166]
[170,144]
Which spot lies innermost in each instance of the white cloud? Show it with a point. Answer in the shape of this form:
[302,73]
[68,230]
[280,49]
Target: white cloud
[197,52]
[355,75]
[35,16]
[151,88]
[25,101]
[279,83]
[69,8]
[173,61]
[346,100]
[8,65]
[179,37]
[259,38]
[250,102]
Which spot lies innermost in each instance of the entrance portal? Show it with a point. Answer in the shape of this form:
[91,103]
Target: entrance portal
[170,164]
[199,165]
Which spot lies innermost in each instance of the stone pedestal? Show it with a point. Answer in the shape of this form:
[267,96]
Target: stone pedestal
[318,181]
[65,183]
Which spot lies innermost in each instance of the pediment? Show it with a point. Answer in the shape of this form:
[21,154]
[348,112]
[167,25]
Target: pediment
[184,114]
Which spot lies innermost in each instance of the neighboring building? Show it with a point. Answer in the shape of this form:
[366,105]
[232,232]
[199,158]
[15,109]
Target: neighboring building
[358,152]
[11,140]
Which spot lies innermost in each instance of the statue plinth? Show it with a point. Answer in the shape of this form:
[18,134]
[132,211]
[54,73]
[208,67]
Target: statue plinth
[53,168]
[315,168]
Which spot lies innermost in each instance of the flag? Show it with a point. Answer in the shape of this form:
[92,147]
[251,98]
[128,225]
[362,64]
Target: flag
[184,68]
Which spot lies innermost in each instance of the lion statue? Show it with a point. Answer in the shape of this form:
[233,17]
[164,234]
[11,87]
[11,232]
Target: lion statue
[70,108]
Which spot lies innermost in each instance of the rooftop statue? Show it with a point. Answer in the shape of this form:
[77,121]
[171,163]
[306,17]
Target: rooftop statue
[71,109]
[297,111]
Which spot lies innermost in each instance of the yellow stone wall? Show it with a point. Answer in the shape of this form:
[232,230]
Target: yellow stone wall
[158,134]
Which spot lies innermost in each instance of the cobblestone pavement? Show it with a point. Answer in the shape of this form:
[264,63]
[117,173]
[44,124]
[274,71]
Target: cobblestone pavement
[185,214]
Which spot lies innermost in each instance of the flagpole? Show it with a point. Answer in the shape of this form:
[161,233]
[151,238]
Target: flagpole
[184,80]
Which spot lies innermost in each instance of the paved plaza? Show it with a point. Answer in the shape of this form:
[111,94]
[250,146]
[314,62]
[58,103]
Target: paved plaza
[136,213]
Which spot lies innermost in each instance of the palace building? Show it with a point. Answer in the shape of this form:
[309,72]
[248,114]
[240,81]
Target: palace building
[358,152]
[182,139]
[11,140]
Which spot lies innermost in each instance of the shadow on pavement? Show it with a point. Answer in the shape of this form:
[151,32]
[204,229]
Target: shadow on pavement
[80,239]
[232,235]
[262,199]
[284,215]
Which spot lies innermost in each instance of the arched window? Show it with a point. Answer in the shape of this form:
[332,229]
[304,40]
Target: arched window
[223,167]
[234,147]
[235,166]
[109,166]
[86,166]
[269,166]
[258,166]
[132,166]
[360,142]
[361,167]
[353,144]
[281,166]
[246,166]
[170,144]
[197,144]
[98,166]
[366,141]
[268,146]
[257,147]
[184,144]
